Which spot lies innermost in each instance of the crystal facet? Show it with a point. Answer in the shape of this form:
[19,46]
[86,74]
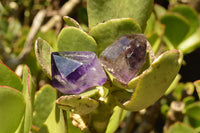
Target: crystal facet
[75,72]
[125,57]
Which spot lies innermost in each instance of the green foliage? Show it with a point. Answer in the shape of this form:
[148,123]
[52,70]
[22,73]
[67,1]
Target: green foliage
[104,10]
[77,104]
[43,104]
[55,122]
[175,24]
[28,91]
[9,78]
[74,39]
[12,105]
[181,128]
[115,120]
[43,54]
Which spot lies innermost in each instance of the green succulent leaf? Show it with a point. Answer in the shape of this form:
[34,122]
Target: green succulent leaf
[9,78]
[43,54]
[150,24]
[190,14]
[159,10]
[71,22]
[193,110]
[191,43]
[115,120]
[55,122]
[106,33]
[155,41]
[197,85]
[74,39]
[43,104]
[180,128]
[28,92]
[176,29]
[103,10]
[173,84]
[12,106]
[189,100]
[77,104]
[152,83]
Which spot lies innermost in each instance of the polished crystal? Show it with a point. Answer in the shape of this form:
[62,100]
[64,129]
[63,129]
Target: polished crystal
[125,57]
[75,72]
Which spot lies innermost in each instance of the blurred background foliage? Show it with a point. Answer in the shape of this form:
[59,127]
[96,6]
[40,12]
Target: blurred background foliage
[174,24]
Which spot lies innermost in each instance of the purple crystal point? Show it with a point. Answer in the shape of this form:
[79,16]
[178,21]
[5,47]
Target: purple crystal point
[75,72]
[125,57]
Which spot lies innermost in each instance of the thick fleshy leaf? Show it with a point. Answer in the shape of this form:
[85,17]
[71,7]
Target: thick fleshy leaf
[43,54]
[190,14]
[12,106]
[115,120]
[180,128]
[193,110]
[191,43]
[155,41]
[55,122]
[43,104]
[176,29]
[103,10]
[159,10]
[71,22]
[77,104]
[106,33]
[173,84]
[152,83]
[197,85]
[74,39]
[9,78]
[28,92]
[150,24]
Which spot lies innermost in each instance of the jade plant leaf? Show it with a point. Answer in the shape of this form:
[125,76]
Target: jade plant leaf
[43,54]
[159,10]
[77,104]
[191,43]
[180,128]
[55,122]
[103,10]
[150,24]
[152,83]
[106,33]
[12,106]
[115,120]
[9,78]
[176,29]
[155,41]
[28,92]
[43,104]
[193,110]
[197,85]
[71,22]
[190,14]
[74,39]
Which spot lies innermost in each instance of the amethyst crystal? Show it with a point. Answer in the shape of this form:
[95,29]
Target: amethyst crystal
[125,57]
[75,72]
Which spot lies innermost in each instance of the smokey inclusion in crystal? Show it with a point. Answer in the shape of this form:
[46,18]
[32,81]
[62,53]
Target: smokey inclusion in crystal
[125,57]
[75,72]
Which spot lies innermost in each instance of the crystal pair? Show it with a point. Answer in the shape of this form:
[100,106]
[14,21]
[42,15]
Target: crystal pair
[76,72]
